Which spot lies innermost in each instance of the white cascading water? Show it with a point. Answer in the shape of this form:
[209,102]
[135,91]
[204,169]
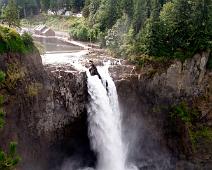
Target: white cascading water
[104,119]
[105,122]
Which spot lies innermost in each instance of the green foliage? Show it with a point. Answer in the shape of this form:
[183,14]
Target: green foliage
[9,161]
[11,14]
[186,120]
[28,41]
[117,35]
[86,12]
[11,41]
[183,112]
[107,14]
[2,76]
[45,5]
[14,74]
[160,28]
[178,32]
[81,31]
[202,133]
[33,7]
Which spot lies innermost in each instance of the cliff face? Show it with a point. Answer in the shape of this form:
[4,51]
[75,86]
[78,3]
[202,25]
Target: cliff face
[146,100]
[45,112]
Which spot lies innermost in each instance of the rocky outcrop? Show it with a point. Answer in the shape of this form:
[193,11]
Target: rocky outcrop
[145,100]
[66,101]
[45,112]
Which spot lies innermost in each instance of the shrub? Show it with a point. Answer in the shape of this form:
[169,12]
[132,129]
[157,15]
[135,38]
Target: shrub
[27,40]
[2,76]
[202,133]
[183,112]
[14,73]
[81,31]
[11,41]
[9,160]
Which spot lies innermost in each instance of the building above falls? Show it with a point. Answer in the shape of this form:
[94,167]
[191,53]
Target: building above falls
[44,30]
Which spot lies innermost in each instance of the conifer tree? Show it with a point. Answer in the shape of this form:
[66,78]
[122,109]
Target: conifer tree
[11,14]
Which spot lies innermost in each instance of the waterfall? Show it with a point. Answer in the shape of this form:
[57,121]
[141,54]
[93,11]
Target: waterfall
[104,120]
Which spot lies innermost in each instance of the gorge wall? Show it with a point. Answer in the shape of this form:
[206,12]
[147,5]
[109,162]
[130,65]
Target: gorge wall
[46,112]
[146,99]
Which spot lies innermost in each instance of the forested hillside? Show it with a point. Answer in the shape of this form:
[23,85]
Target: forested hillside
[32,7]
[161,28]
[170,28]
[149,107]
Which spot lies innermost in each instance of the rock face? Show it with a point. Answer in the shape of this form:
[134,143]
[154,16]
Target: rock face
[66,101]
[145,101]
[45,112]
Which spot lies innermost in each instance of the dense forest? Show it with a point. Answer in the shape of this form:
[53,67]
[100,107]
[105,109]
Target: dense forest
[137,30]
[161,28]
[34,7]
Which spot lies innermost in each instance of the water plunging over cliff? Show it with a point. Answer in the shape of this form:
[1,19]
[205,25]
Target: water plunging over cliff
[105,123]
[104,120]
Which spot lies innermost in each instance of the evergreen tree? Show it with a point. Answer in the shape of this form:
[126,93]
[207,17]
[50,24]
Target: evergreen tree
[11,14]
[141,8]
[93,8]
[202,24]
[127,7]
[86,11]
[108,13]
[45,4]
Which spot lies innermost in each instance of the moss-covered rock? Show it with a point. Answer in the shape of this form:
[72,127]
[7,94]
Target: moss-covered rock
[12,41]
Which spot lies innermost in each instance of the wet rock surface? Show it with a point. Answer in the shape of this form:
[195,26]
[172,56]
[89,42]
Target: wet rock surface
[145,101]
[45,113]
